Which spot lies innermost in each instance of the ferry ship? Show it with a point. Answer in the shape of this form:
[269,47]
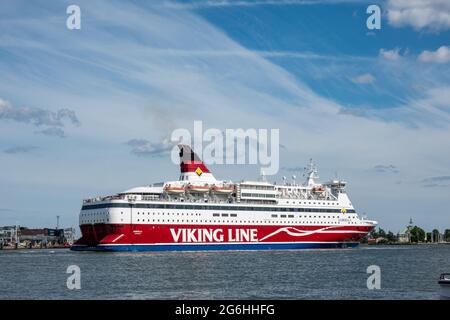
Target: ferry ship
[198,212]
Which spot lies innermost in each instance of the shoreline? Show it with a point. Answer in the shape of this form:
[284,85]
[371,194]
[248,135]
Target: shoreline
[24,248]
[404,244]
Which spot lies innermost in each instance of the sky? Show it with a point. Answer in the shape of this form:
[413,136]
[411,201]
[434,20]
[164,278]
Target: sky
[88,112]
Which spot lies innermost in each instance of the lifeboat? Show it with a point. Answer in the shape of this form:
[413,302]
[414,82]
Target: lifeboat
[223,189]
[174,189]
[198,188]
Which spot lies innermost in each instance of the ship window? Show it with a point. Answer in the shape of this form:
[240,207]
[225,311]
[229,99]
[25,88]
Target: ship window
[274,216]
[233,215]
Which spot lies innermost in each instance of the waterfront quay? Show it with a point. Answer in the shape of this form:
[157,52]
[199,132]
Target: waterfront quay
[17,237]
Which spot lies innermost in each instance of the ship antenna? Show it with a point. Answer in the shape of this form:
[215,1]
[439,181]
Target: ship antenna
[310,173]
[263,176]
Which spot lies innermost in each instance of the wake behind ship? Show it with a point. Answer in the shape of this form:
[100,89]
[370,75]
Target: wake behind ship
[198,212]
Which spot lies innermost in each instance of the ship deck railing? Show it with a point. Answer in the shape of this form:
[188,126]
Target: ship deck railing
[214,199]
[100,199]
[178,200]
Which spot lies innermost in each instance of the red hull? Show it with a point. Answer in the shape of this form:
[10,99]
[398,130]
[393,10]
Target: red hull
[147,234]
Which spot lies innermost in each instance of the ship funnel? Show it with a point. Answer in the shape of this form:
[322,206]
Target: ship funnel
[192,167]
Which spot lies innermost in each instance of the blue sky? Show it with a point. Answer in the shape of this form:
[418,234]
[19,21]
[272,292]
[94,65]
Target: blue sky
[371,105]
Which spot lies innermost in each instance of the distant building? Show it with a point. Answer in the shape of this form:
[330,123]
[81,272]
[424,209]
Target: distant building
[405,235]
[7,234]
[69,235]
[380,240]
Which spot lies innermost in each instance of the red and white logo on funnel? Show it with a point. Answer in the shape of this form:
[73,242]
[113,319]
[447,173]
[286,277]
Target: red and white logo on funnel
[191,167]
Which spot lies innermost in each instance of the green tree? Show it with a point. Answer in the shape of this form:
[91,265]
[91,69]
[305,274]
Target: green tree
[373,234]
[447,235]
[391,237]
[381,233]
[435,233]
[417,234]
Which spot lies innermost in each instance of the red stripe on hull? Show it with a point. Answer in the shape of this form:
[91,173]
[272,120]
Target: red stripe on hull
[116,234]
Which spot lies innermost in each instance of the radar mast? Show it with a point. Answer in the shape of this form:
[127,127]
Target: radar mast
[310,172]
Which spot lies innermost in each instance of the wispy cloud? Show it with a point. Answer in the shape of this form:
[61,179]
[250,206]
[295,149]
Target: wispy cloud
[19,149]
[433,15]
[246,3]
[359,111]
[441,55]
[439,181]
[365,78]
[53,121]
[53,132]
[392,55]
[381,168]
[143,147]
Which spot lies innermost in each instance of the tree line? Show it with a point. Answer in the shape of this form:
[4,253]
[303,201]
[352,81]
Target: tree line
[417,234]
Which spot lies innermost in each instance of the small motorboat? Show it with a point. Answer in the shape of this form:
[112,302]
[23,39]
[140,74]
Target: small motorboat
[444,282]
